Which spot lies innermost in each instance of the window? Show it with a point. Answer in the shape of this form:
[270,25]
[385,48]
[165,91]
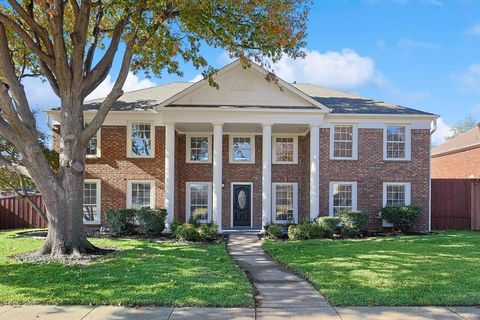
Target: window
[284,202]
[198,201]
[397,142]
[140,194]
[343,197]
[344,142]
[198,148]
[395,193]
[242,149]
[141,140]
[91,201]
[285,150]
[93,148]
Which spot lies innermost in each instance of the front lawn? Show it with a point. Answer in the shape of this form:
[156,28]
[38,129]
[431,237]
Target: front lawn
[440,269]
[144,273]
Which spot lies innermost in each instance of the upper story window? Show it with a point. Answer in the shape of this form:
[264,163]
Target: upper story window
[141,140]
[93,147]
[344,142]
[140,194]
[285,202]
[91,201]
[285,150]
[199,195]
[242,149]
[343,197]
[396,142]
[199,148]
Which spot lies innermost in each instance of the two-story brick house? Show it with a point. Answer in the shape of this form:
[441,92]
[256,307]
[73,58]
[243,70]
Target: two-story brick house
[254,152]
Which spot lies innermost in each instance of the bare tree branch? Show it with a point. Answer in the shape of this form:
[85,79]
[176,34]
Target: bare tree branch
[5,163]
[55,19]
[79,39]
[93,46]
[6,131]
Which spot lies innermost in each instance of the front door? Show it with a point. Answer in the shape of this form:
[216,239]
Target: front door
[242,208]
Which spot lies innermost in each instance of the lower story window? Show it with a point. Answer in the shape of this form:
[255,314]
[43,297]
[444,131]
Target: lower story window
[91,201]
[140,194]
[343,197]
[199,195]
[396,193]
[284,202]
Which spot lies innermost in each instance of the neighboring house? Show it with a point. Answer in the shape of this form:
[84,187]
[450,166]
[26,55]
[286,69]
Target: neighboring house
[458,158]
[255,152]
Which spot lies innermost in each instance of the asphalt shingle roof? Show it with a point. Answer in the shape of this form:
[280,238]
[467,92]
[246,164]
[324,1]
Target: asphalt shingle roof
[467,140]
[339,102]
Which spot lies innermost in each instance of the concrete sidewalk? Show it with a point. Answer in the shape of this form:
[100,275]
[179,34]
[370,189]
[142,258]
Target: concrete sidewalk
[41,312]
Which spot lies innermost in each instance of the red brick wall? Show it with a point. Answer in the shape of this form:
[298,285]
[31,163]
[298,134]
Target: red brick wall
[114,168]
[458,165]
[370,171]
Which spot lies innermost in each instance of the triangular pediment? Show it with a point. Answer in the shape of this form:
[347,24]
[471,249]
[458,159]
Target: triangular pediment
[240,86]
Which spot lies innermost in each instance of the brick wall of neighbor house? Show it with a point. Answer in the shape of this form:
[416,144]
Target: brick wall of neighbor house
[114,168]
[460,165]
[370,171]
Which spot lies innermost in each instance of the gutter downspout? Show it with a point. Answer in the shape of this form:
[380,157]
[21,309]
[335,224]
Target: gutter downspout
[432,131]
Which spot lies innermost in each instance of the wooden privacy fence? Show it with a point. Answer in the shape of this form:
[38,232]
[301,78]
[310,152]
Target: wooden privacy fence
[455,204]
[17,213]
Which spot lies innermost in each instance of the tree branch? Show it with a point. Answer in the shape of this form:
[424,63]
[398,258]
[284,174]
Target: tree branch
[79,39]
[62,68]
[5,163]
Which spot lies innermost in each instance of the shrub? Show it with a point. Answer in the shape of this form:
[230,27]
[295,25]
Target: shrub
[194,221]
[403,217]
[120,221]
[352,223]
[151,221]
[187,232]
[331,225]
[208,231]
[294,232]
[306,230]
[174,225]
[274,231]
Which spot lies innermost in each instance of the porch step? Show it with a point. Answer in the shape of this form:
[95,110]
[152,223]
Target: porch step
[242,231]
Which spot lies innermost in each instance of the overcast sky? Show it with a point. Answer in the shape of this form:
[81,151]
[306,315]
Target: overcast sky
[423,54]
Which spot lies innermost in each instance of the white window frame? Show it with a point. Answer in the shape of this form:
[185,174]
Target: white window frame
[408,142]
[354,142]
[274,149]
[129,192]
[330,194]
[98,220]
[252,147]
[99,148]
[129,138]
[408,195]
[189,150]
[274,202]
[188,200]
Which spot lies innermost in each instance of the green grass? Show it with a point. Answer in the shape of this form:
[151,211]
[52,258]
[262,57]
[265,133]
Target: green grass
[143,273]
[441,269]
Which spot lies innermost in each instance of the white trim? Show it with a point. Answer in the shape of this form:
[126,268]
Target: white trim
[231,202]
[99,146]
[98,182]
[408,192]
[274,201]
[129,192]
[354,141]
[129,139]
[332,184]
[252,148]
[274,148]
[408,142]
[188,148]
[169,163]
[188,200]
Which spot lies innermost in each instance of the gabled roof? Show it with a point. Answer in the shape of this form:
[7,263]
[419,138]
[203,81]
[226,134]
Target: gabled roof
[465,141]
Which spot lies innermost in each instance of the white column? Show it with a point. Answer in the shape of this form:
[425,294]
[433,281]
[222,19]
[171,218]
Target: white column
[314,171]
[169,172]
[217,174]
[266,174]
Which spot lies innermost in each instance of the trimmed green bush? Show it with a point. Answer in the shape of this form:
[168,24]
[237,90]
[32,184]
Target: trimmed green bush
[175,224]
[274,231]
[120,221]
[331,225]
[307,230]
[352,223]
[187,232]
[151,221]
[208,231]
[403,217]
[294,232]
